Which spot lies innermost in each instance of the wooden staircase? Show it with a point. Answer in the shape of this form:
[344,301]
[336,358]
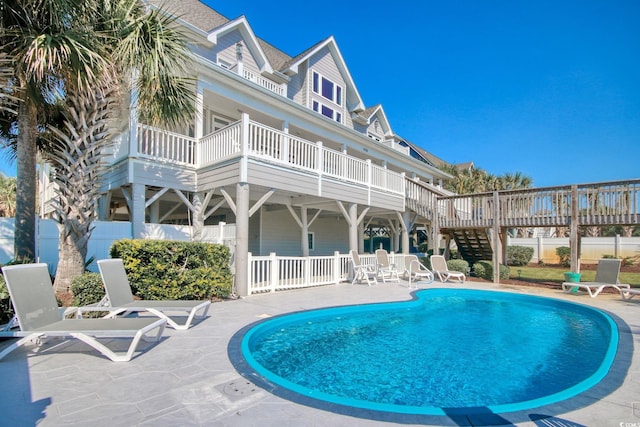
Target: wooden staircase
[474,244]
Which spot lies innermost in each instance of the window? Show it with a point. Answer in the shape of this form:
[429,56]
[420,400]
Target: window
[328,89]
[311,240]
[327,111]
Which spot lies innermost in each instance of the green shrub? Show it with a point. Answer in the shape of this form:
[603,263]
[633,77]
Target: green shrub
[87,289]
[484,270]
[458,265]
[165,269]
[519,255]
[564,254]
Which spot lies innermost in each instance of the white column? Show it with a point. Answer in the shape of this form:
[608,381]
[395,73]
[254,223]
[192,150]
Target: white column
[198,216]
[199,124]
[353,227]
[361,238]
[242,239]
[304,220]
[138,200]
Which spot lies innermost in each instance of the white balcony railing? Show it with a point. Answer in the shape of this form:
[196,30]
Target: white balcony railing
[265,83]
[269,145]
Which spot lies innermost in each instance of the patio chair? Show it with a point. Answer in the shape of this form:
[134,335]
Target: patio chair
[386,270]
[362,271]
[606,277]
[440,268]
[39,317]
[119,298]
[627,294]
[416,271]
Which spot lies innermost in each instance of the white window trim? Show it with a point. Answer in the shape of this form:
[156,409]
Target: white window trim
[335,111]
[335,89]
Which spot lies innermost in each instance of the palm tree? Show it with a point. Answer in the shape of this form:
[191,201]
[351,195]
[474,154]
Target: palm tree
[147,55]
[41,41]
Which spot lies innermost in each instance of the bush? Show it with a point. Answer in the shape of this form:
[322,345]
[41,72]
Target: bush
[484,270]
[564,254]
[165,269]
[519,255]
[458,265]
[87,289]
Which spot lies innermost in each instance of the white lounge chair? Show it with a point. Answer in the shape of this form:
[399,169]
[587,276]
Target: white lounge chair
[416,271]
[627,294]
[387,271]
[362,271]
[606,277]
[39,317]
[440,268]
[119,299]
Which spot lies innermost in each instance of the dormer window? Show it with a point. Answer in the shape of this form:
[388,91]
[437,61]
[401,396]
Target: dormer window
[327,89]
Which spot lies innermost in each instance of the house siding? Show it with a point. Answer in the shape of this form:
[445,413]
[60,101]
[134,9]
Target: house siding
[324,63]
[281,234]
[226,51]
[164,176]
[219,176]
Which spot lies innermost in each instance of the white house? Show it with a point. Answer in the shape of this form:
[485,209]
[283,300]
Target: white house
[284,147]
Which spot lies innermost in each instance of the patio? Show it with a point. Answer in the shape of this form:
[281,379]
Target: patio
[188,379]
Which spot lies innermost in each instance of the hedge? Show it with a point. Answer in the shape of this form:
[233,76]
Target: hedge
[484,270]
[167,269]
[519,255]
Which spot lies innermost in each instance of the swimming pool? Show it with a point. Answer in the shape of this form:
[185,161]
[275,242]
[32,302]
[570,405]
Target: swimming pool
[460,349]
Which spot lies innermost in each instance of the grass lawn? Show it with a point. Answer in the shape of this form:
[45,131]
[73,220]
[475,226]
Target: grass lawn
[551,274]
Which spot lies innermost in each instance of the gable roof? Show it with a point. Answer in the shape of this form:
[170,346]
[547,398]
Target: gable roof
[254,46]
[377,111]
[291,67]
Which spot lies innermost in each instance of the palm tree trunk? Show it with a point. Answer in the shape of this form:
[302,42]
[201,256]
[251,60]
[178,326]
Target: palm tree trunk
[25,227]
[72,254]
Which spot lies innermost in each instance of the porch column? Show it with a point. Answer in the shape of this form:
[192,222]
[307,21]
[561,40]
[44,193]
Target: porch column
[199,124]
[405,228]
[574,227]
[361,238]
[138,201]
[198,216]
[353,227]
[133,119]
[242,239]
[304,223]
[154,212]
[104,205]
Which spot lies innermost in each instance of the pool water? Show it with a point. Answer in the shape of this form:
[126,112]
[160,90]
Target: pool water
[446,349]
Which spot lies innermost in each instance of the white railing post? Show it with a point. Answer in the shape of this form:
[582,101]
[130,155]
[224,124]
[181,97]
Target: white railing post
[337,268]
[403,190]
[306,263]
[249,273]
[284,152]
[320,158]
[244,146]
[273,280]
[221,225]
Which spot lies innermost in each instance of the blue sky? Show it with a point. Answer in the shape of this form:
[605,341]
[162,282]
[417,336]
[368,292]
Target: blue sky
[547,88]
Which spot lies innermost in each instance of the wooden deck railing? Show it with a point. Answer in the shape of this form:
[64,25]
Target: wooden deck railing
[604,203]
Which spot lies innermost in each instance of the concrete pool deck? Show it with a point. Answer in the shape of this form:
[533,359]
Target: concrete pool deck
[189,380]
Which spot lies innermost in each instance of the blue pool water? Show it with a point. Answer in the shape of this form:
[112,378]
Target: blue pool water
[446,349]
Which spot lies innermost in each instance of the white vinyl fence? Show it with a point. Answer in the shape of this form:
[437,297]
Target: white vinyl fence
[591,248]
[103,236]
[276,273]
